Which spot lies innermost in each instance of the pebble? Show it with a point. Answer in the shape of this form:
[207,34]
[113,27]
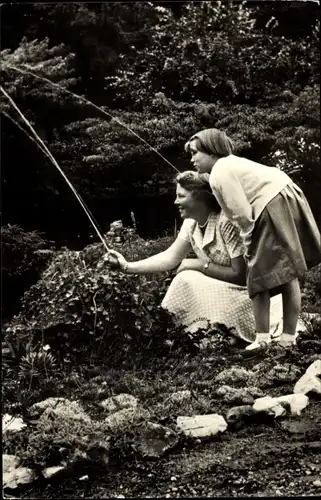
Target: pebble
[173,478]
[317,483]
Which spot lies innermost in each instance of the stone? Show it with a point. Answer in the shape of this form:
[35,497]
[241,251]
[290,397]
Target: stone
[297,402]
[154,440]
[119,402]
[52,471]
[314,369]
[10,462]
[201,425]
[122,419]
[239,413]
[180,396]
[317,483]
[308,383]
[269,405]
[10,423]
[13,475]
[278,406]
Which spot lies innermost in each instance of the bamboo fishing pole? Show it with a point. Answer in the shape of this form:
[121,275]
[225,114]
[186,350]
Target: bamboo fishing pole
[44,148]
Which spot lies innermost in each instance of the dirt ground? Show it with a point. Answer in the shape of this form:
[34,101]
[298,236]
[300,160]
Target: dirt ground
[269,457]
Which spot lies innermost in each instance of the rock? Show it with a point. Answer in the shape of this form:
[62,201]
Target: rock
[309,382]
[202,425]
[122,419]
[154,440]
[52,471]
[10,423]
[10,462]
[297,402]
[317,483]
[13,475]
[119,402]
[314,369]
[278,406]
[180,396]
[269,405]
[97,449]
[239,413]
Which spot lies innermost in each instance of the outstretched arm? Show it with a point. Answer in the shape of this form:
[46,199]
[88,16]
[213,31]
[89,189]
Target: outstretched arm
[163,261]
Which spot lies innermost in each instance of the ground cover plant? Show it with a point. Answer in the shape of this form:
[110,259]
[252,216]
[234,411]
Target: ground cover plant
[86,338]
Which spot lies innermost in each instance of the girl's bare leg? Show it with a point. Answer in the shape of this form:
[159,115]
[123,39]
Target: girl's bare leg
[261,309]
[291,299]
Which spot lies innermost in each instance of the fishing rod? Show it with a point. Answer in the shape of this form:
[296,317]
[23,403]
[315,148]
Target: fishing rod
[44,148]
[28,72]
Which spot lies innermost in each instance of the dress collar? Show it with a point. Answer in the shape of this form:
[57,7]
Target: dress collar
[209,233]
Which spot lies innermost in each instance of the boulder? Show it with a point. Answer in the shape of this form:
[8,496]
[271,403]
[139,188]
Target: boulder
[201,425]
[154,440]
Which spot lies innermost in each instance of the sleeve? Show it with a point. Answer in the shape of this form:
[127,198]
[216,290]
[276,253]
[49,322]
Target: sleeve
[232,238]
[230,195]
[185,231]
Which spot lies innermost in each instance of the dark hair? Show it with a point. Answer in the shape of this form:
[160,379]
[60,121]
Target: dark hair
[212,141]
[199,186]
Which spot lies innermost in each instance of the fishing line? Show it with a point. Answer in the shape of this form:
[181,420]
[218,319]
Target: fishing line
[95,106]
[48,153]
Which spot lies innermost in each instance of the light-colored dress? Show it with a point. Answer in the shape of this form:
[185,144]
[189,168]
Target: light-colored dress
[196,299]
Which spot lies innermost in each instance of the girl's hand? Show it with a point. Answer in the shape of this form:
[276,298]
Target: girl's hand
[191,264]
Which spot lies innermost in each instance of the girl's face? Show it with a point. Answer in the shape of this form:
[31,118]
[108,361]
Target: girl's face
[202,162]
[188,206]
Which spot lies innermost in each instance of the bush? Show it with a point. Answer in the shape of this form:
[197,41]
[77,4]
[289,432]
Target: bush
[24,255]
[81,311]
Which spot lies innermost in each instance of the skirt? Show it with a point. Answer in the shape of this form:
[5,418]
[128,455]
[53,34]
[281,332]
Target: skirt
[198,301]
[285,242]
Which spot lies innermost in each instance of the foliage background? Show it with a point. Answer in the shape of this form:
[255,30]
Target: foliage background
[165,69]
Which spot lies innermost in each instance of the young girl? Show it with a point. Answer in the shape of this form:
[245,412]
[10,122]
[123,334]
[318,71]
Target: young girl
[279,232]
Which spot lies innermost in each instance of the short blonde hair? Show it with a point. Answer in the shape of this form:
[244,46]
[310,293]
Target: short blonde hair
[212,141]
[199,186]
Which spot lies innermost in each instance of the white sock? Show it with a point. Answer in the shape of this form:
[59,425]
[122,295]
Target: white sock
[287,339]
[260,337]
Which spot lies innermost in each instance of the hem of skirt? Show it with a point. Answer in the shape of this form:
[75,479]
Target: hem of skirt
[273,282]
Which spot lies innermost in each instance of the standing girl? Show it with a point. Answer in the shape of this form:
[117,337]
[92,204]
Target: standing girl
[279,232]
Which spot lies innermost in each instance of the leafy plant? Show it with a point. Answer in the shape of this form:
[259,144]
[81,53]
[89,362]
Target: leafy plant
[76,309]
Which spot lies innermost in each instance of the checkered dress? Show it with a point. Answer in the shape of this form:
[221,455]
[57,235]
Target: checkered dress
[195,298]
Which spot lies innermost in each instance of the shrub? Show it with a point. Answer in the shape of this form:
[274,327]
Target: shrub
[24,255]
[77,309]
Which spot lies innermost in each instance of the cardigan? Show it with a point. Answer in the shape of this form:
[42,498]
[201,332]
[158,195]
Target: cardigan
[243,188]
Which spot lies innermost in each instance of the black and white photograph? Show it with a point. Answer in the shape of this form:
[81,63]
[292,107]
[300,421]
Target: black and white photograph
[160,249]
